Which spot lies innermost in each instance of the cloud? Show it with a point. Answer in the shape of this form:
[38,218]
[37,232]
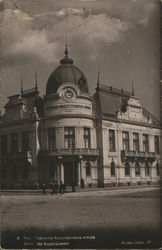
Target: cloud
[39,37]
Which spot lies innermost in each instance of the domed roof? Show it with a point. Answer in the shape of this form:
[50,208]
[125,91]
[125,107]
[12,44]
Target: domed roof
[66,72]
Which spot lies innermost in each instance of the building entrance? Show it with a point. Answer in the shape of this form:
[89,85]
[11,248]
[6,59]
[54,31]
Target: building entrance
[70,173]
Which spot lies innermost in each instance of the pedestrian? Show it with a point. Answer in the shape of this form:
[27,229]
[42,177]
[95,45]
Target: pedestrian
[54,188]
[61,188]
[43,189]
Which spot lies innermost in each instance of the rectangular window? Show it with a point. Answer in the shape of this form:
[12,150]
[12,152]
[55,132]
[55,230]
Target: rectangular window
[156,142]
[69,137]
[14,143]
[111,140]
[145,143]
[136,142]
[25,141]
[147,169]
[137,169]
[86,137]
[126,141]
[51,138]
[88,169]
[4,144]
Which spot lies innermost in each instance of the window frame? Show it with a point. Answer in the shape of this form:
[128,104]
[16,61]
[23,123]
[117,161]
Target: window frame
[136,142]
[156,144]
[137,166]
[87,138]
[126,141]
[145,143]
[112,144]
[88,169]
[69,137]
[127,169]
[112,169]
[51,138]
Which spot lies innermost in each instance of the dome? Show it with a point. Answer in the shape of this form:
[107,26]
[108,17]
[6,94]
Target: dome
[66,72]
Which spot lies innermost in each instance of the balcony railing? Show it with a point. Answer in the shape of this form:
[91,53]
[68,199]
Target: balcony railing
[69,151]
[138,155]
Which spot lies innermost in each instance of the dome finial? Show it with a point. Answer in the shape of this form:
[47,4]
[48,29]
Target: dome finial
[21,86]
[36,82]
[66,50]
[132,88]
[98,77]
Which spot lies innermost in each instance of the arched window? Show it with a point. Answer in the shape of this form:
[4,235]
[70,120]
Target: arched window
[88,168]
[127,169]
[147,169]
[112,168]
[137,169]
[157,169]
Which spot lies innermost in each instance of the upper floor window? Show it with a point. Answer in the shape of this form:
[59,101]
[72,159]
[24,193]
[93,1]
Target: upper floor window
[156,142]
[126,141]
[4,144]
[69,137]
[25,141]
[14,142]
[111,140]
[127,169]
[86,137]
[112,169]
[137,169]
[135,141]
[145,143]
[51,138]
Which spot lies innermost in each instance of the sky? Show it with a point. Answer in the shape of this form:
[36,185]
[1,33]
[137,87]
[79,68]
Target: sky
[120,37]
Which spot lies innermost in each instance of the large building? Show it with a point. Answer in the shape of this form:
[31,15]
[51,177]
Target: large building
[108,139]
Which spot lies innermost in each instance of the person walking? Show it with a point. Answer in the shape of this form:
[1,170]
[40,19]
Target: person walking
[61,189]
[43,189]
[54,188]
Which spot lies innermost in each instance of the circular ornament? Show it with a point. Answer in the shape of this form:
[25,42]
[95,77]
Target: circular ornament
[69,94]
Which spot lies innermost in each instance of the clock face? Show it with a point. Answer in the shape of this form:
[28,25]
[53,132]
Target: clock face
[69,94]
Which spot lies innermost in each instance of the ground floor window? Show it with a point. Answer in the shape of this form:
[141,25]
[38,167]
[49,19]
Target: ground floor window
[88,168]
[112,168]
[147,169]
[157,169]
[127,169]
[137,169]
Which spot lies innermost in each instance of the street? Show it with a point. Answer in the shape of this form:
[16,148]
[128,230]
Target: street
[124,213]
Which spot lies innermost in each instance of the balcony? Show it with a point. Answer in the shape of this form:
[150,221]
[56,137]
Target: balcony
[140,156]
[69,151]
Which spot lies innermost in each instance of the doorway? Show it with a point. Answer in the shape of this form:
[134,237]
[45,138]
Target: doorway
[70,173]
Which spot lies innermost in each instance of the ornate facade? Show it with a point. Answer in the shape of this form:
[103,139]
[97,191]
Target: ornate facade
[107,139]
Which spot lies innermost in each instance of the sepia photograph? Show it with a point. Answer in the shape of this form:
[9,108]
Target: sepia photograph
[80,133]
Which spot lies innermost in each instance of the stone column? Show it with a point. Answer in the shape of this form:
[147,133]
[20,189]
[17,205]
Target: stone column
[142,172]
[62,172]
[59,169]
[79,176]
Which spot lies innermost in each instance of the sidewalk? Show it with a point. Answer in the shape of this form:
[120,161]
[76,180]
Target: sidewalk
[78,189]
